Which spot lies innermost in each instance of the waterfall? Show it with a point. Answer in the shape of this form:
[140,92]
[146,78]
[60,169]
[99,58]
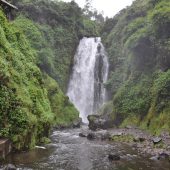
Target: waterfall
[86,87]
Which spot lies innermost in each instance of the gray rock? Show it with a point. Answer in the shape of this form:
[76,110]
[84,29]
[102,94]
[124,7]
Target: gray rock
[163,156]
[82,134]
[129,127]
[10,167]
[142,139]
[119,134]
[156,140]
[113,157]
[129,157]
[100,122]
[154,158]
[91,136]
[77,123]
[139,139]
[105,136]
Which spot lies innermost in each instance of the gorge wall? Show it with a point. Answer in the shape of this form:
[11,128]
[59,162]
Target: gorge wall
[36,54]
[137,40]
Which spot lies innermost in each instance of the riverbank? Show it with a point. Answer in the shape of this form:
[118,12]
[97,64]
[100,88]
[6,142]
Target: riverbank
[158,147]
[82,149]
[69,151]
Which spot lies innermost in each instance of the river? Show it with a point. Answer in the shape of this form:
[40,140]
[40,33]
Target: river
[68,151]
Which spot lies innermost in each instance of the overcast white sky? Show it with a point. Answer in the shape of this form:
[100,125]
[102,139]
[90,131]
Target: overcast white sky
[110,7]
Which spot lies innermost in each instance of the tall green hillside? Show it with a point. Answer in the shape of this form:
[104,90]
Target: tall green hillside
[138,44]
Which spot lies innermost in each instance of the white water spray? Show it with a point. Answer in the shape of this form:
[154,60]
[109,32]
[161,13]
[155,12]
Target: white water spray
[86,87]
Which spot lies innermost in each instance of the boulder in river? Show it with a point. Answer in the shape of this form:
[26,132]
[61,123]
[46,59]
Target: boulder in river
[100,122]
[77,123]
[154,158]
[156,140]
[81,134]
[105,136]
[10,167]
[164,156]
[113,157]
[161,156]
[139,139]
[91,136]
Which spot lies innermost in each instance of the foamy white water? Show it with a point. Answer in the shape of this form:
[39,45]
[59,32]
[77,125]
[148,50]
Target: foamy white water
[86,87]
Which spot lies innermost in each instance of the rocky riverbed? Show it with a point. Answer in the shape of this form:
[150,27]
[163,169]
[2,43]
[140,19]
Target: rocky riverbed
[156,146]
[83,149]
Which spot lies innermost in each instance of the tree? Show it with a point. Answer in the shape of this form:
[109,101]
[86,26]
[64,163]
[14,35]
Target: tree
[92,13]
[88,7]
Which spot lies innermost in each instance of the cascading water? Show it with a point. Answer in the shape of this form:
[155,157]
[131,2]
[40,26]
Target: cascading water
[86,87]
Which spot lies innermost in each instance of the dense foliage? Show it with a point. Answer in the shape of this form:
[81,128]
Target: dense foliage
[24,107]
[55,33]
[36,52]
[138,44]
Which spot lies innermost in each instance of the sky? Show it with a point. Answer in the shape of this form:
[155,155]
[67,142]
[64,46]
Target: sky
[109,7]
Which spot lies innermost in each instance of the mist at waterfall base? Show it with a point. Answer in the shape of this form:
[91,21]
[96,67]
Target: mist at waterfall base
[86,87]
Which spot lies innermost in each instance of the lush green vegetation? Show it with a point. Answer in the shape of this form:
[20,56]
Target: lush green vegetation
[65,111]
[123,138]
[55,33]
[25,108]
[137,40]
[36,55]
